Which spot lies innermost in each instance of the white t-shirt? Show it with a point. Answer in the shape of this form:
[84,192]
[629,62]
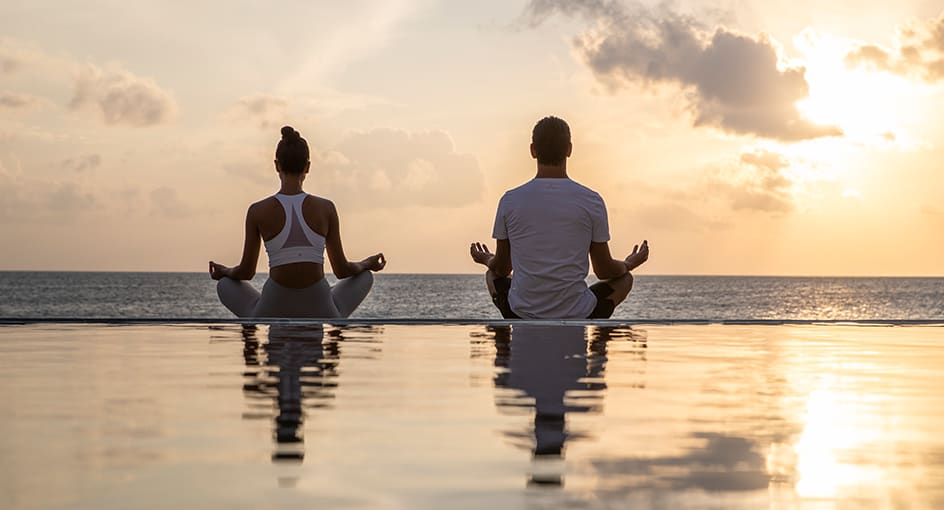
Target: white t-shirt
[550,224]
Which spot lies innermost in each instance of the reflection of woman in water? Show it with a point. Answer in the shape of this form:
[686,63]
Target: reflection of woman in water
[297,370]
[296,228]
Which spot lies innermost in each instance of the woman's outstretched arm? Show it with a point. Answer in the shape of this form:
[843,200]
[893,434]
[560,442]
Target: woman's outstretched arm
[342,267]
[247,265]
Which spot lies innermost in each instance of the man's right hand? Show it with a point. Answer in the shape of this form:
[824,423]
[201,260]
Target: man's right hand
[639,255]
[480,254]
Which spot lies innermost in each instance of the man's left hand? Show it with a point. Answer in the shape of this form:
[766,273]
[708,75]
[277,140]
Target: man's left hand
[480,253]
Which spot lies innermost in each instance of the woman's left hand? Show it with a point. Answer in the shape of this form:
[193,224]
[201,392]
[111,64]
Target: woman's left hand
[376,262]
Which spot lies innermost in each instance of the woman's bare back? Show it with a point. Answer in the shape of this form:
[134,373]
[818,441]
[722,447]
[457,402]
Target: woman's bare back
[269,217]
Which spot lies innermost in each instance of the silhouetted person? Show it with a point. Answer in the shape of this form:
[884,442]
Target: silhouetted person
[544,231]
[296,228]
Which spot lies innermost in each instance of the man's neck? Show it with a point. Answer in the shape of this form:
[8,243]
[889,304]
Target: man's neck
[552,171]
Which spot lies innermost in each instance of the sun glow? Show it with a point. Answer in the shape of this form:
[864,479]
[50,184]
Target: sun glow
[824,466]
[869,105]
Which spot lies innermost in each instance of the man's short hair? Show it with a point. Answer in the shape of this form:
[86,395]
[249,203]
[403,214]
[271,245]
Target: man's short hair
[551,139]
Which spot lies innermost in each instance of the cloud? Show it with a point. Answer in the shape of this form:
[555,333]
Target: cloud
[8,64]
[82,163]
[870,54]
[10,200]
[17,101]
[26,198]
[122,97]
[765,160]
[67,197]
[672,215]
[263,110]
[167,202]
[757,183]
[392,168]
[734,82]
[12,57]
[253,170]
[933,212]
[721,463]
[919,52]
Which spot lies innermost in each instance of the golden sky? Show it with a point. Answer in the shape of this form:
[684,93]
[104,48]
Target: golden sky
[746,137]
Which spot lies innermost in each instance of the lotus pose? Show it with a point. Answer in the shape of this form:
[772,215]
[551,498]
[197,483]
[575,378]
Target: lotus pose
[544,231]
[296,228]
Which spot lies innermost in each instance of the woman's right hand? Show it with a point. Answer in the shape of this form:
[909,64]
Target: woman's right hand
[217,271]
[375,262]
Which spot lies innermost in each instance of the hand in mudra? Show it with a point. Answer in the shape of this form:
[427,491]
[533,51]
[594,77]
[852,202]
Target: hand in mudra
[376,262]
[480,253]
[217,271]
[639,255]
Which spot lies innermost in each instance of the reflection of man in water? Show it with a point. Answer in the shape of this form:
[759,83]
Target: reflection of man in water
[296,368]
[545,363]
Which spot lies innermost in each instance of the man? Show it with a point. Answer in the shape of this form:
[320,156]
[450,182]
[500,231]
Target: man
[544,231]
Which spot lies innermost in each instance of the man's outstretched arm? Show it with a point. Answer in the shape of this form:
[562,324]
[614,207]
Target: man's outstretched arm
[605,267]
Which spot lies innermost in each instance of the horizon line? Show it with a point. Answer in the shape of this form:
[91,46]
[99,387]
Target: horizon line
[731,275]
[407,321]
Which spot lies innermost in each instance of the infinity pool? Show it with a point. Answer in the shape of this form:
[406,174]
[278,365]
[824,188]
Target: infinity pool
[471,416]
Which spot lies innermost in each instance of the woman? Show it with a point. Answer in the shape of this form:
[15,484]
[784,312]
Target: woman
[296,228]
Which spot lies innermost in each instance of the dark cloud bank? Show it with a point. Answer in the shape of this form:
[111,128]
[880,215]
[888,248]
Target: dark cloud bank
[733,79]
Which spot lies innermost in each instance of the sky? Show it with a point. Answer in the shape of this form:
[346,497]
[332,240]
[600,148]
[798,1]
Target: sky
[769,137]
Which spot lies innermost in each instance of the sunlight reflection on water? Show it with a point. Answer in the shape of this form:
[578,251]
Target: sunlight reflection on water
[469,416]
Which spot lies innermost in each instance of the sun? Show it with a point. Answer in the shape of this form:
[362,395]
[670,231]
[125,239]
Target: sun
[869,105]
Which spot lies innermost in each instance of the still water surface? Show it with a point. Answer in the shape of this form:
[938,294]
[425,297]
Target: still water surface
[530,416]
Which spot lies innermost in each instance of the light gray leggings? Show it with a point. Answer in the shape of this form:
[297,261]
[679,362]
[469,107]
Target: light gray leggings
[316,301]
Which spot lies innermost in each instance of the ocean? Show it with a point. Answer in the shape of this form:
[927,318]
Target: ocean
[423,296]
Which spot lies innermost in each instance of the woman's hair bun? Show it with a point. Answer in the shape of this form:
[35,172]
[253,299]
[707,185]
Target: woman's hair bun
[292,151]
[289,134]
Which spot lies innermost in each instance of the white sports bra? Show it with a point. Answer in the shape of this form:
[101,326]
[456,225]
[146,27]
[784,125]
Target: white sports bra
[297,242]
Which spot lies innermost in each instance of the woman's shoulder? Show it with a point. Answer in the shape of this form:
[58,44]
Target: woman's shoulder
[317,201]
[263,207]
[268,201]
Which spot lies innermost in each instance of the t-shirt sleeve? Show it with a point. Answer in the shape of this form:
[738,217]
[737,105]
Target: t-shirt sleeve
[601,224]
[500,231]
